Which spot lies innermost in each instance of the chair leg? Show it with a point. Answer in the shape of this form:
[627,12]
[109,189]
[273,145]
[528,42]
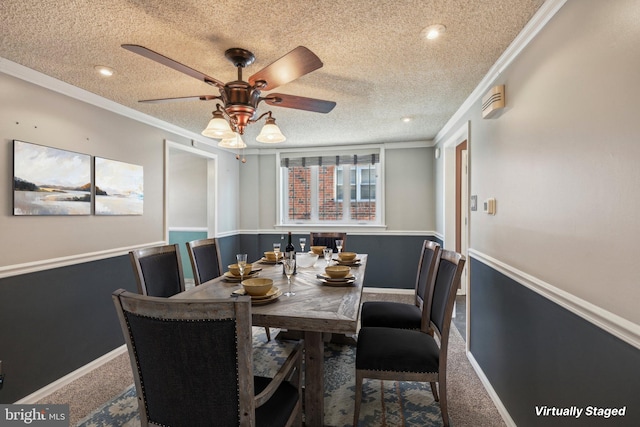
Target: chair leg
[266,329]
[443,403]
[356,411]
[434,390]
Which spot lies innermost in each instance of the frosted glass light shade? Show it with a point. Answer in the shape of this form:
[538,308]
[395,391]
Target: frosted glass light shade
[234,142]
[271,133]
[218,128]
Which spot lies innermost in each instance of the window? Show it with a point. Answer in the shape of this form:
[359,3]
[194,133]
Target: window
[314,187]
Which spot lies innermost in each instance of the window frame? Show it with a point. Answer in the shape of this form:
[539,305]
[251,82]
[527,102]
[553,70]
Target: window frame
[282,191]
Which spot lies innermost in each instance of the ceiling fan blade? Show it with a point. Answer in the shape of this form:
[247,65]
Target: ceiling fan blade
[294,64]
[155,56]
[181,98]
[299,102]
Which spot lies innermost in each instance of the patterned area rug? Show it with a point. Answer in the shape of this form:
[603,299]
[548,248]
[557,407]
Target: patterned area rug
[384,403]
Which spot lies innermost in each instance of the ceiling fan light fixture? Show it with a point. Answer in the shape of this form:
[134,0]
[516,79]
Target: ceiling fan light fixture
[218,127]
[271,133]
[433,31]
[235,142]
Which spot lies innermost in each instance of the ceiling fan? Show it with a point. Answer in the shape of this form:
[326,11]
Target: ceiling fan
[241,98]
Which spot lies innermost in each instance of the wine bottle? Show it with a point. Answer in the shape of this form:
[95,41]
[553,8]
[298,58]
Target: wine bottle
[290,252]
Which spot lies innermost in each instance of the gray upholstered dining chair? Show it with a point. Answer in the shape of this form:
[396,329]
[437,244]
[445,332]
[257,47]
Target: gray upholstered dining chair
[408,316]
[205,259]
[192,364]
[413,355]
[207,264]
[328,240]
[158,270]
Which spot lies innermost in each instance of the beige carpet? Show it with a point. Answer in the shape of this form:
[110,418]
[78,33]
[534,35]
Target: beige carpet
[469,403]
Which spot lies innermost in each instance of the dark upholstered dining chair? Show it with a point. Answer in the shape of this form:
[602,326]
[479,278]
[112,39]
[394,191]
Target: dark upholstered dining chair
[192,364]
[328,240]
[408,316]
[205,259]
[411,355]
[158,270]
[206,263]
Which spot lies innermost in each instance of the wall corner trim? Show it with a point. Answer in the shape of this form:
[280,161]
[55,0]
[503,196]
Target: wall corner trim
[617,326]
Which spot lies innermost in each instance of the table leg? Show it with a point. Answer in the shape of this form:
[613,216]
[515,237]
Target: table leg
[314,379]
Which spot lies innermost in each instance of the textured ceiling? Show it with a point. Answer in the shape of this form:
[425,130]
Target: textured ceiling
[377,66]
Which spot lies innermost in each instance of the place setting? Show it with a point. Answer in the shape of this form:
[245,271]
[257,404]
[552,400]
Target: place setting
[260,290]
[273,257]
[348,259]
[337,275]
[236,274]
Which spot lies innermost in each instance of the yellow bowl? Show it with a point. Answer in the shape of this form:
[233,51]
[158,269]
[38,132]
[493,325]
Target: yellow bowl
[271,256]
[347,256]
[337,271]
[257,287]
[233,269]
[317,249]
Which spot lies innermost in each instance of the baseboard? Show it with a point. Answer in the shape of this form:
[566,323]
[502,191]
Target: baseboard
[492,393]
[69,378]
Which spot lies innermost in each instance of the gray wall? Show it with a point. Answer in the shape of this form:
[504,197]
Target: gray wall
[561,161]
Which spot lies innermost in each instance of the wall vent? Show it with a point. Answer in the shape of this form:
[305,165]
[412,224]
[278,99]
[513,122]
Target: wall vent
[493,102]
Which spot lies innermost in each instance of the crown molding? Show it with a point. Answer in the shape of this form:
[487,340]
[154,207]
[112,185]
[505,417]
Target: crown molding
[32,76]
[522,40]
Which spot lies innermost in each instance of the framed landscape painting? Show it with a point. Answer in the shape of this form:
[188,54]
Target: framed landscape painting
[119,188]
[50,181]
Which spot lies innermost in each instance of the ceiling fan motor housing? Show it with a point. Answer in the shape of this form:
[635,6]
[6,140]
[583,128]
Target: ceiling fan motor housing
[240,102]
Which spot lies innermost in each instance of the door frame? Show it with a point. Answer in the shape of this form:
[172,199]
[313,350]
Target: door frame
[449,184]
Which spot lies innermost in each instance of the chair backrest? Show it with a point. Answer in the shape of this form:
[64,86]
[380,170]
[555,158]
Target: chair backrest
[191,360]
[158,270]
[444,292]
[425,280]
[328,240]
[205,259]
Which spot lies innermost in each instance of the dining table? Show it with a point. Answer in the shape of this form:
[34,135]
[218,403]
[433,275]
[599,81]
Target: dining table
[318,309]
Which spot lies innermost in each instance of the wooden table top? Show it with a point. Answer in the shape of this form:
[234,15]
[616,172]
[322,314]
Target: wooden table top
[315,306]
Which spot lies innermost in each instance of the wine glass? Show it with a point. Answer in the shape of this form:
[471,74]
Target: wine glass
[328,253]
[242,263]
[276,251]
[339,245]
[289,265]
[303,241]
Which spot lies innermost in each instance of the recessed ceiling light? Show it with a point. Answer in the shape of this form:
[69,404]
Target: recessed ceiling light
[433,31]
[406,119]
[104,71]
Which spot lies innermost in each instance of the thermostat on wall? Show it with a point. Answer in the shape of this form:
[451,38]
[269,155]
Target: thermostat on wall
[490,206]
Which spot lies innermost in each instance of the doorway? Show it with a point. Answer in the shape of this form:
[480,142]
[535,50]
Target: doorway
[190,197]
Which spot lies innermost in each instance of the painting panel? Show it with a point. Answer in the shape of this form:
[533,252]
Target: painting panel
[119,188]
[50,181]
